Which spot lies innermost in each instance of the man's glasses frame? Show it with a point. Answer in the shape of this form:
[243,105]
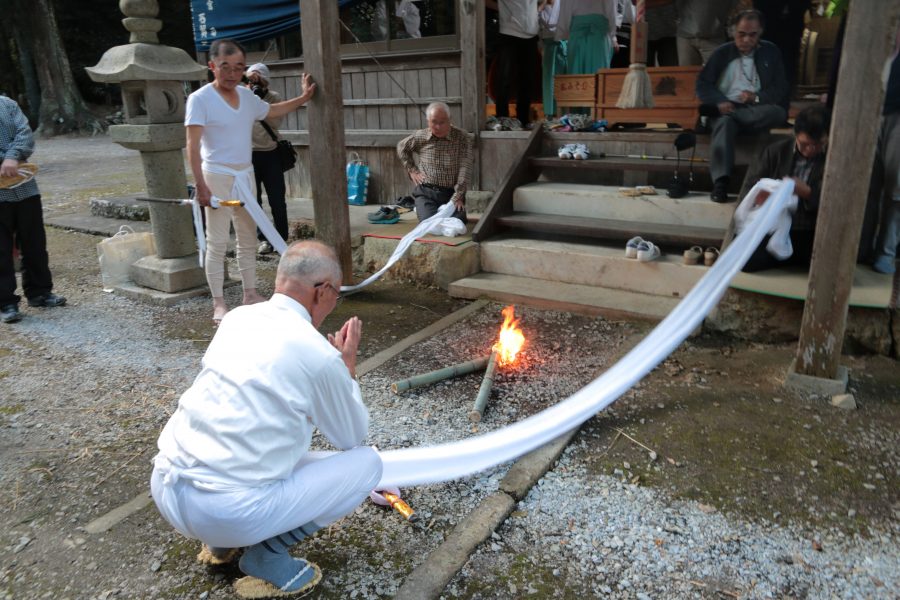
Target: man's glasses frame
[337,292]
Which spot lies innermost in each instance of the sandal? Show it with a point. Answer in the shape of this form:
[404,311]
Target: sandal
[710,256]
[692,255]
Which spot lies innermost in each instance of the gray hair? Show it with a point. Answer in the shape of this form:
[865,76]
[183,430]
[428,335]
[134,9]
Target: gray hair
[435,106]
[309,262]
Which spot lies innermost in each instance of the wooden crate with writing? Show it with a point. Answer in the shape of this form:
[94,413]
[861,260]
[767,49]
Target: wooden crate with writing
[674,97]
[575,91]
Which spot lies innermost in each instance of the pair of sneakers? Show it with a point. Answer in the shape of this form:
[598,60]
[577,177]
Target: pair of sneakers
[386,215]
[641,249]
[574,151]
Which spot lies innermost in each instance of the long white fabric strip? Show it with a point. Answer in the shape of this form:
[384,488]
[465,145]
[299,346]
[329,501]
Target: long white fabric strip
[445,462]
[198,231]
[243,190]
[405,242]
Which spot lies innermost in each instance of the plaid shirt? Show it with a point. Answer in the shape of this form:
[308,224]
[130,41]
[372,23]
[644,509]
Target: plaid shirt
[16,142]
[446,162]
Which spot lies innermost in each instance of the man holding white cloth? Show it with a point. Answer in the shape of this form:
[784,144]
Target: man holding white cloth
[234,467]
[219,121]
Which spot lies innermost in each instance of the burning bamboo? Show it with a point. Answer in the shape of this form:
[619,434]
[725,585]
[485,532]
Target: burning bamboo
[484,392]
[456,370]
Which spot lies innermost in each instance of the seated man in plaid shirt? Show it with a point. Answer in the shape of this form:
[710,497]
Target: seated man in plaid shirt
[439,162]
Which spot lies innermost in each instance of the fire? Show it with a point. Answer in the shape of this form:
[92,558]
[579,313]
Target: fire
[511,338]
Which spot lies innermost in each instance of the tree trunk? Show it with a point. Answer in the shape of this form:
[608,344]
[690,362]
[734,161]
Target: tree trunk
[62,109]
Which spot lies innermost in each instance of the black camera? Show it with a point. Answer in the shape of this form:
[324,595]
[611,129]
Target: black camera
[259,90]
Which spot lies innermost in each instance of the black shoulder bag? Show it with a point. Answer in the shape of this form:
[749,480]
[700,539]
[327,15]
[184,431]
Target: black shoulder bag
[285,150]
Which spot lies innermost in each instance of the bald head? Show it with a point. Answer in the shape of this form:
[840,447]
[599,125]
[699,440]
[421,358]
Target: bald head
[306,263]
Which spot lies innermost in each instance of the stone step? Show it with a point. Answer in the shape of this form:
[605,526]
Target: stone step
[589,264]
[126,208]
[570,297]
[660,234]
[605,202]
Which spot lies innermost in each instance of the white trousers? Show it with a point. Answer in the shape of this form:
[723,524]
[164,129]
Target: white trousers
[323,488]
[218,227]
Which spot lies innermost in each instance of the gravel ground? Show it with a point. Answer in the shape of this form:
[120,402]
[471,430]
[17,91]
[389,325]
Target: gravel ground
[85,389]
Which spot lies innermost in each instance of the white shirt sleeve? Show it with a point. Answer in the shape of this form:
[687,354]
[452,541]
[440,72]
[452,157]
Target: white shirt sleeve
[338,410]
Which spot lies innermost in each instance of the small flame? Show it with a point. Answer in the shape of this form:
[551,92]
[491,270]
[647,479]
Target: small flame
[511,338]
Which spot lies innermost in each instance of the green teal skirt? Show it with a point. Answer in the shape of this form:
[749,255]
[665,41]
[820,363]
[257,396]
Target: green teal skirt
[589,45]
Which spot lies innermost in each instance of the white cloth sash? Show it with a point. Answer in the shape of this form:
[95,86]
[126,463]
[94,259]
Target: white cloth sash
[445,462]
[242,190]
[405,242]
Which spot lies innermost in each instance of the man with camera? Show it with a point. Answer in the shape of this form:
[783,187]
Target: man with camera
[266,162]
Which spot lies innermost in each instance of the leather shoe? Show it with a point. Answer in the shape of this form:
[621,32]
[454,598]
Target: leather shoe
[10,313]
[48,300]
[720,190]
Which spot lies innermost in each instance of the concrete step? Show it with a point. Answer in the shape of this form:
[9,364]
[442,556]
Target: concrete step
[589,264]
[570,297]
[605,202]
[610,229]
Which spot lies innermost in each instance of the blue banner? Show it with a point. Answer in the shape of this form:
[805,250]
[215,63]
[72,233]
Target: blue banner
[244,20]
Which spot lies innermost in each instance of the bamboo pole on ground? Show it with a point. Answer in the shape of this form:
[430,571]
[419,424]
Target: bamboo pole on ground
[484,392]
[456,370]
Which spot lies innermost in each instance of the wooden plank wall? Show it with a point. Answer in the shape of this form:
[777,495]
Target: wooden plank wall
[382,104]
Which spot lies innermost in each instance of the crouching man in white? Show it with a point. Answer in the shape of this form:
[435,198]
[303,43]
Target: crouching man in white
[234,468]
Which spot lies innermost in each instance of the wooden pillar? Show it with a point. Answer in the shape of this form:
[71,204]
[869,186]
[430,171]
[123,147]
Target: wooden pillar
[328,182]
[471,40]
[854,129]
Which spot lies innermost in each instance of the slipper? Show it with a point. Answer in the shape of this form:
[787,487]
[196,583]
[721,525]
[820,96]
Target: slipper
[692,255]
[710,256]
[647,251]
[631,247]
[254,587]
[207,557]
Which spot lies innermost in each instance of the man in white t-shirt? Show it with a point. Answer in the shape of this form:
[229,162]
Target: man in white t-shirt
[219,120]
[517,55]
[234,468]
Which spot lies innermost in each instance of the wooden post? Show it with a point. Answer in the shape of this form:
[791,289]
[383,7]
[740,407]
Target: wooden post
[854,129]
[471,40]
[328,182]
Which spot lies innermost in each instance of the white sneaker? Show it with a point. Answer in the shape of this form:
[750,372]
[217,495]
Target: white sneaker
[265,248]
[631,247]
[580,152]
[565,152]
[647,251]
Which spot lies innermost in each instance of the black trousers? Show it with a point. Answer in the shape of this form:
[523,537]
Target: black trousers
[517,60]
[267,169]
[430,198]
[22,223]
[802,242]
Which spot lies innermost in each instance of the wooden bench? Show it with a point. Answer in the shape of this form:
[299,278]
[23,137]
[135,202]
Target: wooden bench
[674,97]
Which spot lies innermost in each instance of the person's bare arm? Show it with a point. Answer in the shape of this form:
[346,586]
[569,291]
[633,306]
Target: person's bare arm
[279,109]
[194,133]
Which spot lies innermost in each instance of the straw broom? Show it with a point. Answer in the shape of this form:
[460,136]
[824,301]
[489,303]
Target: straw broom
[636,89]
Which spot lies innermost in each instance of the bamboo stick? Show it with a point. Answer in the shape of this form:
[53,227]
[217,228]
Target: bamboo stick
[484,392]
[456,370]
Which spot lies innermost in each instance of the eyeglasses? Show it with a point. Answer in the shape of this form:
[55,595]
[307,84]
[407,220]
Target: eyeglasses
[810,145]
[337,292]
[230,69]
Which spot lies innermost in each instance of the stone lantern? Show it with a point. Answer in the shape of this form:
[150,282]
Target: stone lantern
[152,79]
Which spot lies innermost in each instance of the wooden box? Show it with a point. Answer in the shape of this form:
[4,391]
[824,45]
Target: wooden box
[674,97]
[575,90]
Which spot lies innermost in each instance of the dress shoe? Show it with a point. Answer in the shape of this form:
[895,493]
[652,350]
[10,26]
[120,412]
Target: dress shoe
[720,190]
[10,313]
[48,300]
